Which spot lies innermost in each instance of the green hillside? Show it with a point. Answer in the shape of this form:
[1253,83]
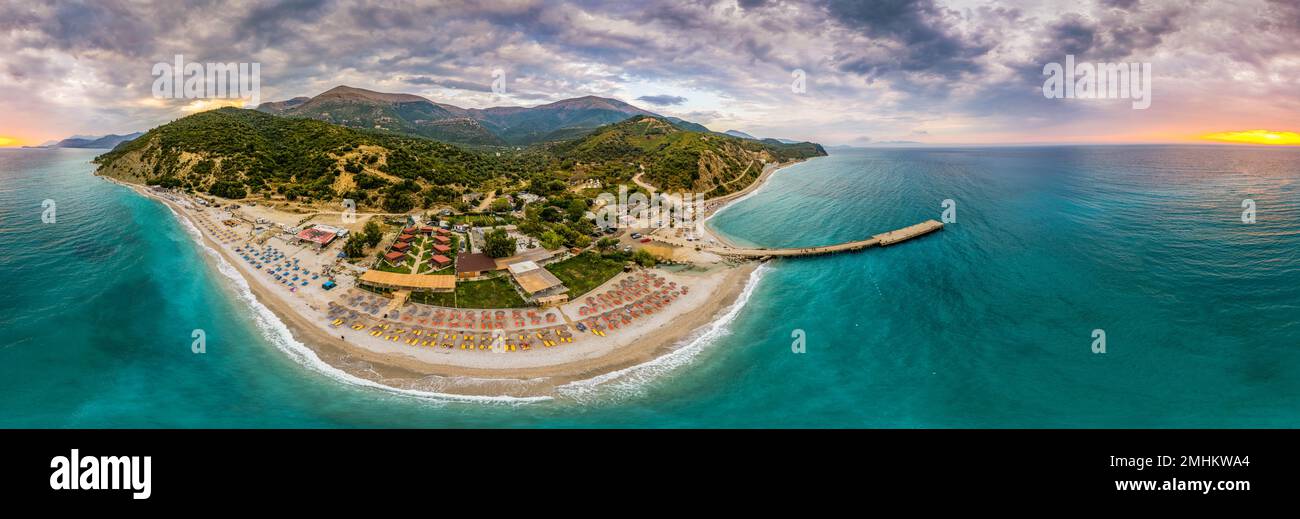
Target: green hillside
[235,153]
[674,159]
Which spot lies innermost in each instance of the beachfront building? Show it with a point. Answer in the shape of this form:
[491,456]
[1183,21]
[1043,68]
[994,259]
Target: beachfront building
[408,282]
[537,282]
[319,236]
[538,255]
[475,264]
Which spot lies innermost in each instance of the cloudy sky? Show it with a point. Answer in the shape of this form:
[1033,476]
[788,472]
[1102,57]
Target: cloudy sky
[933,71]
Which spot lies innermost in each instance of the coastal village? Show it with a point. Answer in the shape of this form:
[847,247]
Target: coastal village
[429,282]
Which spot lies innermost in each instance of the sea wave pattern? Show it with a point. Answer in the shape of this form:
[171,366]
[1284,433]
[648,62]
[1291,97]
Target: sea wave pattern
[276,332]
[634,381]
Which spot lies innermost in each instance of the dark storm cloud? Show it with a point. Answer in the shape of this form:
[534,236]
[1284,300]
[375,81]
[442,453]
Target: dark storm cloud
[662,100]
[108,26]
[1106,39]
[920,35]
[273,22]
[1121,4]
[449,83]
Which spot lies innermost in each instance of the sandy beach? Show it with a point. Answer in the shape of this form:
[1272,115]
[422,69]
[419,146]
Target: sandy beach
[534,373]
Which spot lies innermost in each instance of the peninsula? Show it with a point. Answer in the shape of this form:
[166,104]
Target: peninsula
[465,265]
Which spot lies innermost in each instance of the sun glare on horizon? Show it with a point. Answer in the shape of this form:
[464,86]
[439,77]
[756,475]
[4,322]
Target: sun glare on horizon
[1256,137]
[8,141]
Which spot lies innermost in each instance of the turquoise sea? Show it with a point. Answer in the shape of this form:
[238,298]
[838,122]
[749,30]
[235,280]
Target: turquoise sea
[987,323]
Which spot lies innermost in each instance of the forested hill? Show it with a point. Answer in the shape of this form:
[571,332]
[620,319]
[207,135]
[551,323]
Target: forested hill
[671,158]
[235,153]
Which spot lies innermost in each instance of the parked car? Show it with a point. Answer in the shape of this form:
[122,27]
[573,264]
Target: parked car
[636,236]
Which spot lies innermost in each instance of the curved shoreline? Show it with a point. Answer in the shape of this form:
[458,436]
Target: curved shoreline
[726,201]
[409,375]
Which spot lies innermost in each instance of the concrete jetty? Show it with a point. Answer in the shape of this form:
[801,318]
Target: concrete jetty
[883,239]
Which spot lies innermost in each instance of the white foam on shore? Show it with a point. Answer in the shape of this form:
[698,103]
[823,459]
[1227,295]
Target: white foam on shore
[632,381]
[624,383]
[275,331]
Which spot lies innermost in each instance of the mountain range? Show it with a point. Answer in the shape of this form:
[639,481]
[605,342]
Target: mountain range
[234,153]
[411,114]
[106,142]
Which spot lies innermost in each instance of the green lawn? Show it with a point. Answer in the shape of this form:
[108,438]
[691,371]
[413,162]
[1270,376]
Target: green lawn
[403,268]
[407,266]
[487,293]
[479,219]
[584,272]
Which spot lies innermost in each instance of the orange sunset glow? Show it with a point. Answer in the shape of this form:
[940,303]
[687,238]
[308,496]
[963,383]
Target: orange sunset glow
[1256,137]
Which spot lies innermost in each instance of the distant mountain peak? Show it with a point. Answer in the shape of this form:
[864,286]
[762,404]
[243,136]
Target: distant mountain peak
[415,115]
[347,92]
[104,142]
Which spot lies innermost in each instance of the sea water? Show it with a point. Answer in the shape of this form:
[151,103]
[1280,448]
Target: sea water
[987,323]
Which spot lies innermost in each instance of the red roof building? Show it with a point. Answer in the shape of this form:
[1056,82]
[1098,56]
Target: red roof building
[394,257]
[442,239]
[410,230]
[405,238]
[320,237]
[426,230]
[442,249]
[440,260]
[401,246]
[443,232]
